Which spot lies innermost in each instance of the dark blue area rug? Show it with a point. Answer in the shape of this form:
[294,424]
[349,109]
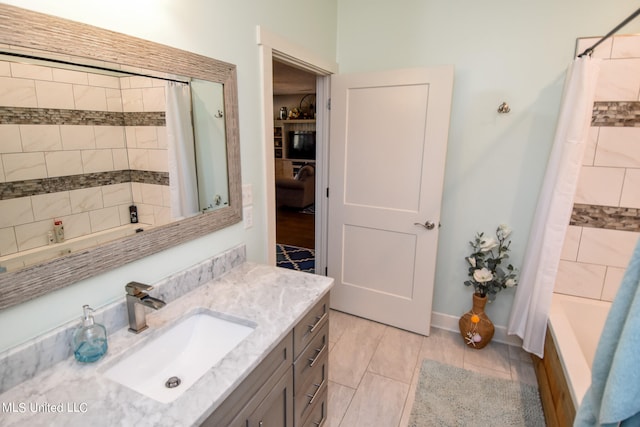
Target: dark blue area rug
[295,258]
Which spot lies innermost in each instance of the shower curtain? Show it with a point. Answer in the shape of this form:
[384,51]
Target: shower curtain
[530,309]
[182,160]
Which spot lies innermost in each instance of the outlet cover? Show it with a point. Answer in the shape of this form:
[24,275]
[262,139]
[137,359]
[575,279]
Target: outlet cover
[247,216]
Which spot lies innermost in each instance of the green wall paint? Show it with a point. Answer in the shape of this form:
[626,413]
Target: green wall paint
[512,51]
[220,29]
[502,50]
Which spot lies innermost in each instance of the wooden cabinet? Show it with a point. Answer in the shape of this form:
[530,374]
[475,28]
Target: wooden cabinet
[289,387]
[277,408]
[311,365]
[256,388]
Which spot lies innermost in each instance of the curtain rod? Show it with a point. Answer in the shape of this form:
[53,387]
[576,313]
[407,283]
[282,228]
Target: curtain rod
[94,67]
[589,50]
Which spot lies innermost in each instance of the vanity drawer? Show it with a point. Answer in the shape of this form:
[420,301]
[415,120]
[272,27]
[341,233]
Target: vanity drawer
[312,391]
[317,415]
[306,329]
[312,356]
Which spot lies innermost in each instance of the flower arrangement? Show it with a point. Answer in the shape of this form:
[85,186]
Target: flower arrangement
[485,264]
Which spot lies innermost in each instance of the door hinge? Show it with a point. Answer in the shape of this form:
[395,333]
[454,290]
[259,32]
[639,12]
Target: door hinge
[326,271]
[329,104]
[327,192]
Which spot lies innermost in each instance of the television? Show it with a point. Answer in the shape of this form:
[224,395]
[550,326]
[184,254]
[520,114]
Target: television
[302,145]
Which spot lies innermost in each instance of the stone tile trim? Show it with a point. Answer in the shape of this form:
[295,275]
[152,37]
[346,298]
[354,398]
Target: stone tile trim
[55,116]
[33,187]
[616,113]
[153,118]
[149,177]
[607,217]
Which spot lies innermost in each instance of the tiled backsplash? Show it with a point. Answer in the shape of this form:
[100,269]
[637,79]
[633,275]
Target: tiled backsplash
[81,147]
[605,223]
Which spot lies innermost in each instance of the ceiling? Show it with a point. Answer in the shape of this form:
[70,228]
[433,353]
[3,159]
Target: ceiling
[288,80]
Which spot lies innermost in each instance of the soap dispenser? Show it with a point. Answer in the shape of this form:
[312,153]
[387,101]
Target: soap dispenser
[90,340]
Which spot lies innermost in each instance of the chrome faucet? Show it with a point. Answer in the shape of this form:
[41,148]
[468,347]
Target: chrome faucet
[137,300]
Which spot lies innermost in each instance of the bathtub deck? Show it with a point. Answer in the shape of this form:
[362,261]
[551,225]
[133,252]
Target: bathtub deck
[554,391]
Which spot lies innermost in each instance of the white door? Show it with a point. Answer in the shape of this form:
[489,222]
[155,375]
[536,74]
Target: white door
[387,150]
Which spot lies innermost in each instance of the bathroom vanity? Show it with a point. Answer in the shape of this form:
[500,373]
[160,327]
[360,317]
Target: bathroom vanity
[290,383]
[277,375]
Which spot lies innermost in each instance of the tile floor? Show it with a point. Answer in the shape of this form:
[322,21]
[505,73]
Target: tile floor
[374,368]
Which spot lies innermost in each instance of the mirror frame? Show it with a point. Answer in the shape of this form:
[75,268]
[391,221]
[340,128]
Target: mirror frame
[32,30]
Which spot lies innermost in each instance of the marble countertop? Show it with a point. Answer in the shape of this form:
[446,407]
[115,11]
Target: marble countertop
[73,394]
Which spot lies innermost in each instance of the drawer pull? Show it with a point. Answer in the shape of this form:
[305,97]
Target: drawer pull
[320,423]
[314,395]
[313,360]
[318,321]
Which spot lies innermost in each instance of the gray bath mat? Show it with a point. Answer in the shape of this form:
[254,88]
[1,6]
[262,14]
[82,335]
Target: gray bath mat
[450,396]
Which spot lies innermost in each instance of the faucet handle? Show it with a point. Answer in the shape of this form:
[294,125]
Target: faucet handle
[136,288]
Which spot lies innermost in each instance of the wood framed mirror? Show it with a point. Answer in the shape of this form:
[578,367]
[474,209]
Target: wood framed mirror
[47,36]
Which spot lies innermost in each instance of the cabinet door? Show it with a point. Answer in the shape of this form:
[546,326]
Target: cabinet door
[246,398]
[276,410]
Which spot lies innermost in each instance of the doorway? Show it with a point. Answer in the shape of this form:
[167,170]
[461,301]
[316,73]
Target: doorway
[294,156]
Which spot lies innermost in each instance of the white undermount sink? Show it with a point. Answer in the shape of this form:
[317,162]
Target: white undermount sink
[185,351]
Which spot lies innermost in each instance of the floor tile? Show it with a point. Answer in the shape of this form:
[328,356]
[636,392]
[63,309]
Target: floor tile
[488,371]
[494,356]
[411,395]
[443,346]
[337,325]
[396,355]
[379,402]
[374,369]
[354,349]
[339,398]
[518,353]
[523,372]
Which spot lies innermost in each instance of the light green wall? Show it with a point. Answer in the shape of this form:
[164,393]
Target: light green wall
[502,50]
[512,51]
[220,29]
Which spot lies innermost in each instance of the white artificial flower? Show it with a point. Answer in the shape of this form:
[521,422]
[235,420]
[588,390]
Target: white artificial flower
[510,283]
[503,231]
[482,275]
[472,261]
[487,243]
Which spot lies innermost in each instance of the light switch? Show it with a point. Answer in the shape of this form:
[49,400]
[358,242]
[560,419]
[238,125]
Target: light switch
[247,195]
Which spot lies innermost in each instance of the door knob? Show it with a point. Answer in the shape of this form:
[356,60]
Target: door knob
[429,225]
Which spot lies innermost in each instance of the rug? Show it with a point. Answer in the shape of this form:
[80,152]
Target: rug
[295,258]
[450,396]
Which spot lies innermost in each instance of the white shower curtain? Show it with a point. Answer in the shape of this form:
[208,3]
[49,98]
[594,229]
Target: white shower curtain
[530,309]
[182,173]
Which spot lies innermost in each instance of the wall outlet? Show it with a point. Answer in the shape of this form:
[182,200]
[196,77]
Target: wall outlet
[247,216]
[247,195]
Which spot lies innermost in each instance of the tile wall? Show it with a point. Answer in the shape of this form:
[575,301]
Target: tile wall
[81,147]
[605,224]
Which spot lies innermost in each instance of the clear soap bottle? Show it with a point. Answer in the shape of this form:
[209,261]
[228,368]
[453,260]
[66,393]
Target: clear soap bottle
[89,340]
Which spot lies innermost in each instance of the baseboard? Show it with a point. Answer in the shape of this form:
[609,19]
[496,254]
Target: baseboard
[450,323]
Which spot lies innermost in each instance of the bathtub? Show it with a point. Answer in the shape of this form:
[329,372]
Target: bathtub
[576,325]
[574,328]
[43,253]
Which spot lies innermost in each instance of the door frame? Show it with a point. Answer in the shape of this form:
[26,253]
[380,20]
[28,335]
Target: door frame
[272,46]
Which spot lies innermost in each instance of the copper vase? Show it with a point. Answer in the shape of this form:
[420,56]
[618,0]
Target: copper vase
[475,326]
